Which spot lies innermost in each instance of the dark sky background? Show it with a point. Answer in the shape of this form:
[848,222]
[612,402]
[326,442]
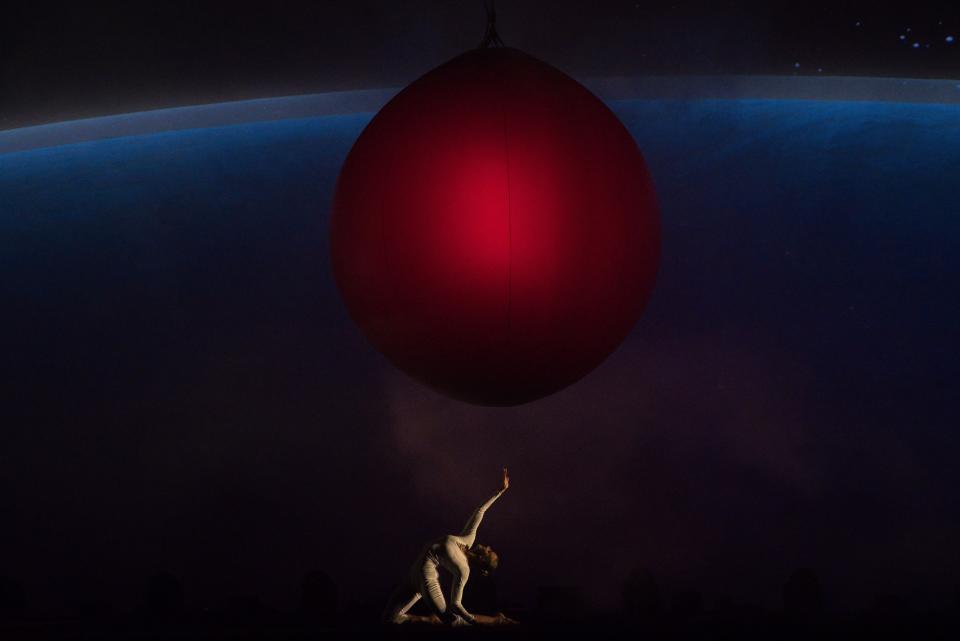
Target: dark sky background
[61,62]
[255,453]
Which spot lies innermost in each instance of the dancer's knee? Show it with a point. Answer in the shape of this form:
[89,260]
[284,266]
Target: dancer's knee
[395,618]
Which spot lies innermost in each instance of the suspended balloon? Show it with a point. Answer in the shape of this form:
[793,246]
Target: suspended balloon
[494,230]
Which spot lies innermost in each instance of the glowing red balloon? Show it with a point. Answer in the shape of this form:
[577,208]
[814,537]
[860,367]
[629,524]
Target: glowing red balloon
[494,230]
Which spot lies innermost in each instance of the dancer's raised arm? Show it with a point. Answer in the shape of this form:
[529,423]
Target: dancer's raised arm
[469,533]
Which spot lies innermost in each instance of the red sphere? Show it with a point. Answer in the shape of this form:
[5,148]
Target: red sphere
[495,230]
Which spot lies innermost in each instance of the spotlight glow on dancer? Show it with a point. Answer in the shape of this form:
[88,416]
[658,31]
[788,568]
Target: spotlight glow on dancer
[458,555]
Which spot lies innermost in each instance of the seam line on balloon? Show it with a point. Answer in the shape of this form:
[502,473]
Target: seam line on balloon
[506,152]
[384,262]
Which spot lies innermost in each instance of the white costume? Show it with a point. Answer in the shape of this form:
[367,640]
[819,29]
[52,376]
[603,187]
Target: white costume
[424,578]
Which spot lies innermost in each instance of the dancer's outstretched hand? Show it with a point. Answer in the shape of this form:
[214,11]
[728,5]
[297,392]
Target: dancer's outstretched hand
[499,619]
[503,619]
[506,478]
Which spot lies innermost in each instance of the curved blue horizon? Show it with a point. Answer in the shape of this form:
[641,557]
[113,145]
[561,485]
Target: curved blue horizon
[610,89]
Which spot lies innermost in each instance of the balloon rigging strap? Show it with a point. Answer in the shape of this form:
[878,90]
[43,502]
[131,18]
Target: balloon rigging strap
[491,38]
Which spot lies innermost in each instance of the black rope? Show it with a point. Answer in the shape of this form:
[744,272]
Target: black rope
[491,38]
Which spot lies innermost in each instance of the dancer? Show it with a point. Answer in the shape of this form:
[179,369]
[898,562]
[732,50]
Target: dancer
[458,555]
